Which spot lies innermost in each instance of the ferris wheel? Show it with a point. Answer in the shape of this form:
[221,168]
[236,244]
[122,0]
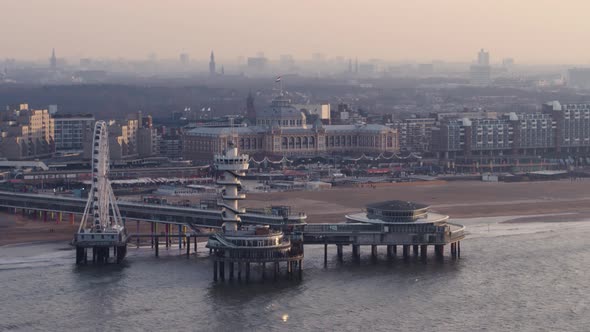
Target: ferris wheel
[101,226]
[101,205]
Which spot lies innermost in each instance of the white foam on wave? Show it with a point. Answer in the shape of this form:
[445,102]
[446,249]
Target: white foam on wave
[484,227]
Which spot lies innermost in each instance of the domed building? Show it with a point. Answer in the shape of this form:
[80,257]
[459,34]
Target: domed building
[281,129]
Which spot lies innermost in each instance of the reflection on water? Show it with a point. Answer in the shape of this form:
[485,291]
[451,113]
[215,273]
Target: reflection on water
[530,281]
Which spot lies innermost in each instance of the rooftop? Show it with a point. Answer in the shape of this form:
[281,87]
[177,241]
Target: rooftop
[397,206]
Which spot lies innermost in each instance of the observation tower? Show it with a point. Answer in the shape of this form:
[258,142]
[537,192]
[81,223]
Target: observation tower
[240,244]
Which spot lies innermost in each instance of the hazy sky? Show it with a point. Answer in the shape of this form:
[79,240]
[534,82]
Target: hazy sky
[536,31]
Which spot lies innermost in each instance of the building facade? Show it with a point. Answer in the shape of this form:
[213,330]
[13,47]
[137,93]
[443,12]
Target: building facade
[281,130]
[26,133]
[415,133]
[71,131]
[559,128]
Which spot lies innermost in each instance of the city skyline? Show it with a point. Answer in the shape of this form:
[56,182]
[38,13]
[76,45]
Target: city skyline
[395,31]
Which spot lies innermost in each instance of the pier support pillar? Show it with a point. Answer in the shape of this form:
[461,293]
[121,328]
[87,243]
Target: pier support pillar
[339,252]
[373,251]
[239,271]
[167,235]
[325,254]
[423,251]
[300,265]
[44,216]
[137,231]
[277,270]
[157,246]
[439,250]
[188,246]
[263,271]
[458,249]
[222,270]
[152,234]
[215,270]
[356,251]
[195,244]
[247,271]
[231,270]
[415,249]
[179,236]
[406,251]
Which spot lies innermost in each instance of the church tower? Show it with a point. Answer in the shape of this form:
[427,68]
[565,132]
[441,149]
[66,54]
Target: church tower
[212,65]
[53,60]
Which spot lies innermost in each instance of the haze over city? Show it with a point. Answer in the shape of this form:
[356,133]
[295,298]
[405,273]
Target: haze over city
[294,165]
[532,31]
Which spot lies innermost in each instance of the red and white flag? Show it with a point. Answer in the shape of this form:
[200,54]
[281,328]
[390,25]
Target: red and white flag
[278,79]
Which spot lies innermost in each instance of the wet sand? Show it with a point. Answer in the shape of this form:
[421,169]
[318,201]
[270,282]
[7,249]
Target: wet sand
[559,200]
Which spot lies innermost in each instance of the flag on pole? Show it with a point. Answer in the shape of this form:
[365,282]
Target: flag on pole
[278,79]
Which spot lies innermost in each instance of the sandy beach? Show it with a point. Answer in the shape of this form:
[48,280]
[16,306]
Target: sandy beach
[525,202]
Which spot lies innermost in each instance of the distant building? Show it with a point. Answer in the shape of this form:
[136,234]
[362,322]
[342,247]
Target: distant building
[71,131]
[26,133]
[257,63]
[415,133]
[53,60]
[559,129]
[282,129]
[480,73]
[184,59]
[250,109]
[317,111]
[212,64]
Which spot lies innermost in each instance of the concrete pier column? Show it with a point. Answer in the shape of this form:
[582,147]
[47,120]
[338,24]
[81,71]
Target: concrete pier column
[389,251]
[300,265]
[415,249]
[179,236]
[239,271]
[195,244]
[152,234]
[325,254]
[406,251]
[263,270]
[423,251]
[157,246]
[276,273]
[247,271]
[188,246]
[439,250]
[373,251]
[231,270]
[458,249]
[167,235]
[222,270]
[339,252]
[356,251]
[137,231]
[215,270]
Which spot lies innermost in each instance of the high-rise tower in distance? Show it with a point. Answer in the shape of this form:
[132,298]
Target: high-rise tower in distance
[212,65]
